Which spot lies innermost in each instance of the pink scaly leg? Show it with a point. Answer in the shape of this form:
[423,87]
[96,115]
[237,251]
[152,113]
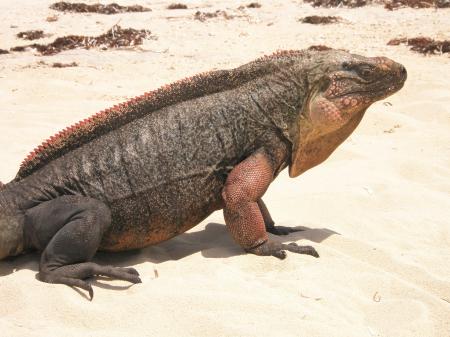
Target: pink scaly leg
[245,185]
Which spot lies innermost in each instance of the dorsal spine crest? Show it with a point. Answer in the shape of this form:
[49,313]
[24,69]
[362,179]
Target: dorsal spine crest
[104,121]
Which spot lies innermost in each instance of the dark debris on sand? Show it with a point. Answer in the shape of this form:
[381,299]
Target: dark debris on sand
[250,5]
[3,51]
[112,8]
[52,18]
[57,64]
[319,47]
[114,38]
[336,3]
[64,65]
[320,20]
[424,45]
[31,35]
[203,16]
[177,6]
[254,5]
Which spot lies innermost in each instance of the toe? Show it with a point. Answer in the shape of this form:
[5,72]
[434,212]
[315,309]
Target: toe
[131,271]
[307,250]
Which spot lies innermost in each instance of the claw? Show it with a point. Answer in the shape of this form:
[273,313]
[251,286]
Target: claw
[91,293]
[314,253]
[309,251]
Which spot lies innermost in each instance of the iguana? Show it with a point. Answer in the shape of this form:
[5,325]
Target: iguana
[149,169]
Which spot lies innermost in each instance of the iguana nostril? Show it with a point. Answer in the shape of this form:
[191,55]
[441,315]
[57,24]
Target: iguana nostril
[401,71]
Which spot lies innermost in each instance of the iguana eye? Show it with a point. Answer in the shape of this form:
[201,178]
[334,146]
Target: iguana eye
[365,71]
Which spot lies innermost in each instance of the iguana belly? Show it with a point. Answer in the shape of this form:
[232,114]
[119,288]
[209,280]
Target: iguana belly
[151,218]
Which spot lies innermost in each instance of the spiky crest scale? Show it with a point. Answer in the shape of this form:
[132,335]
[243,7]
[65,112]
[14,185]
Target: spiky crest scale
[107,120]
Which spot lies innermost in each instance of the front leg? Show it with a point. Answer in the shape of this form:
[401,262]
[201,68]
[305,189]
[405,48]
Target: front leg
[245,185]
[270,224]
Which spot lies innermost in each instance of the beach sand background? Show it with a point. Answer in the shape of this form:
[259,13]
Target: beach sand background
[377,211]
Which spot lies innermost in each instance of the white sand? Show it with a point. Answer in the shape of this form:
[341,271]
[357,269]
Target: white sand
[377,211]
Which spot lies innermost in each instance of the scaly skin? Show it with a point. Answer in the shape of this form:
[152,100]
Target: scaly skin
[154,167]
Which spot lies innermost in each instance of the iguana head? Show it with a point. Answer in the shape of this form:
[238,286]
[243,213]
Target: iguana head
[342,87]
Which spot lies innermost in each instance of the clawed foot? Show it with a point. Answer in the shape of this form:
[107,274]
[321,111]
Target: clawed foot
[278,249]
[282,230]
[75,275]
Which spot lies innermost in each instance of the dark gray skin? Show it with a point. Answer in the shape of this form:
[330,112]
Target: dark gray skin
[151,178]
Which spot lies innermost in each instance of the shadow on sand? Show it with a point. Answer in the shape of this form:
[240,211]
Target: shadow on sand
[213,242]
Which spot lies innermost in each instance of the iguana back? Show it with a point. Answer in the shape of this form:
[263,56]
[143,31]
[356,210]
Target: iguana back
[189,88]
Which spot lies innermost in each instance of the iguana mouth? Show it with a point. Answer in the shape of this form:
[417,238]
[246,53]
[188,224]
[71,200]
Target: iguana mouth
[375,92]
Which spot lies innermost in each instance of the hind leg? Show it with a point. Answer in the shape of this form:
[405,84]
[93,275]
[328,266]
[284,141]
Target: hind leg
[68,231]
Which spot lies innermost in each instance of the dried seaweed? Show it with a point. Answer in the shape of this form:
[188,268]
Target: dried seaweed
[388,4]
[319,47]
[442,3]
[3,51]
[320,20]
[177,6]
[114,38]
[112,8]
[338,3]
[395,4]
[31,35]
[18,48]
[423,45]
